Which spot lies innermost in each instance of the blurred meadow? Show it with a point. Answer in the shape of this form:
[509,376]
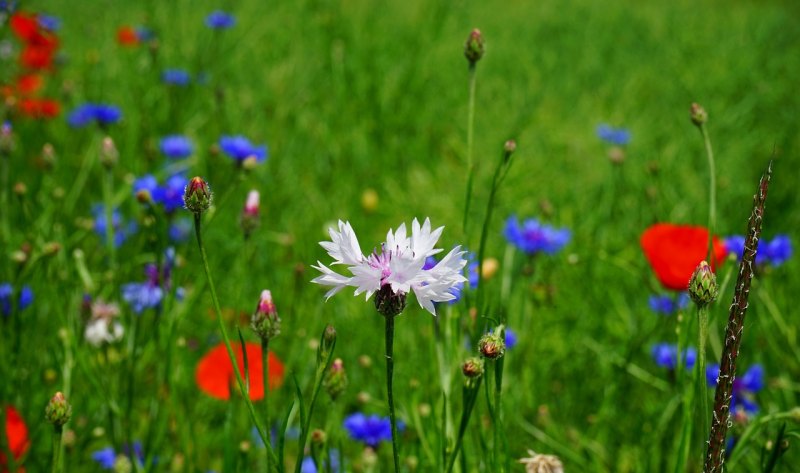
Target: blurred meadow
[362,108]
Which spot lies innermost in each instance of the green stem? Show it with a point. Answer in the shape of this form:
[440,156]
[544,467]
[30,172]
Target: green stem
[712,193]
[702,313]
[4,186]
[470,396]
[265,368]
[108,208]
[389,374]
[226,339]
[56,468]
[499,434]
[322,368]
[470,135]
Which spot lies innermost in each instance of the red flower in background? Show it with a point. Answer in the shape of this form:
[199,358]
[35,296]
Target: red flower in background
[17,434]
[674,251]
[214,374]
[39,108]
[127,36]
[40,44]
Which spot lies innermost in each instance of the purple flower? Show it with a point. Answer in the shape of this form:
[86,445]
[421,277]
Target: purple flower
[144,295]
[533,237]
[371,430]
[121,230]
[220,20]
[25,297]
[176,77]
[668,304]
[308,465]
[239,148]
[744,388]
[666,356]
[176,146]
[87,113]
[49,22]
[170,195]
[773,253]
[105,457]
[511,339]
[614,136]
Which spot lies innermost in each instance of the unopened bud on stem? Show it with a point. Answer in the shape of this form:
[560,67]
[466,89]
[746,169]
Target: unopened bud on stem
[197,196]
[474,49]
[58,410]
[703,287]
[698,114]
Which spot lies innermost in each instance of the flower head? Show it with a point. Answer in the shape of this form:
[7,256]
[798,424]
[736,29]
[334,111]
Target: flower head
[744,388]
[17,435]
[87,113]
[614,136]
[25,298]
[176,146]
[773,252]
[674,251]
[240,148]
[371,430]
[214,374]
[666,356]
[533,237]
[539,463]
[667,304]
[109,459]
[178,77]
[169,194]
[397,269]
[144,295]
[220,20]
[102,326]
[122,230]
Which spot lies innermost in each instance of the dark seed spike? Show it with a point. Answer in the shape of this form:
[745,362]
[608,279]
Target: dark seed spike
[721,420]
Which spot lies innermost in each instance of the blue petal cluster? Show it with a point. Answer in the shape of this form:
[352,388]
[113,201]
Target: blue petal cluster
[534,237]
[371,430]
[122,230]
[614,136]
[176,146]
[773,252]
[668,304]
[666,356]
[744,387]
[176,77]
[144,295]
[49,22]
[106,457]
[308,465]
[170,194]
[87,113]
[24,300]
[240,148]
[220,20]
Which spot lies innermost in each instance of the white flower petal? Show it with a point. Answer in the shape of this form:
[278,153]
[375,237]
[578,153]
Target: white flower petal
[343,247]
[330,278]
[422,240]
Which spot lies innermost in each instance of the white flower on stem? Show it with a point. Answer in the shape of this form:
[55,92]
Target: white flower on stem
[398,265]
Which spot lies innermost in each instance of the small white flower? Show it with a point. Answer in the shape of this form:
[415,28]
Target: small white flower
[539,463]
[99,331]
[399,264]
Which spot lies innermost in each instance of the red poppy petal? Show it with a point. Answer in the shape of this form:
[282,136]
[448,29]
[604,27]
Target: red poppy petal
[674,251]
[17,433]
[214,374]
[25,27]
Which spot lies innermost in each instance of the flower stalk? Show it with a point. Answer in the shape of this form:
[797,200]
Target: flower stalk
[473,51]
[389,339]
[721,418]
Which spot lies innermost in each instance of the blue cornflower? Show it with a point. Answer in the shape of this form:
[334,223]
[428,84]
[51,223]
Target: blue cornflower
[176,146]
[220,20]
[533,237]
[180,230]
[144,295]
[170,194]
[176,77]
[49,22]
[668,304]
[87,113]
[371,430]
[239,148]
[25,297]
[106,457]
[308,465]
[121,230]
[511,339]
[744,388]
[666,356]
[773,252]
[6,298]
[614,136]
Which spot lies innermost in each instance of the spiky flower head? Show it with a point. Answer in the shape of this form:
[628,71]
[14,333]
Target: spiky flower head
[493,344]
[336,379]
[698,114]
[197,195]
[473,371]
[539,463]
[474,48]
[703,287]
[399,267]
[265,321]
[58,410]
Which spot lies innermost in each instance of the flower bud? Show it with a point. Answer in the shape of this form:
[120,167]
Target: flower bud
[473,367]
[58,410]
[109,154]
[698,114]
[336,379]
[703,287]
[327,344]
[265,321]
[318,437]
[492,345]
[6,139]
[474,49]
[197,196]
[122,464]
[388,303]
[508,149]
[250,218]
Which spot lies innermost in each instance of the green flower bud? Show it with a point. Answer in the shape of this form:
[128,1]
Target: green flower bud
[265,321]
[336,379]
[197,196]
[698,114]
[493,345]
[109,154]
[326,345]
[703,287]
[474,49]
[58,410]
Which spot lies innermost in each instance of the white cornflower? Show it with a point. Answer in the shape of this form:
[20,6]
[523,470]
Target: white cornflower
[99,331]
[397,269]
[538,463]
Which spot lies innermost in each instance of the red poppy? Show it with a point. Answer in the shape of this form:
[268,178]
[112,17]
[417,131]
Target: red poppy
[17,434]
[24,26]
[674,251]
[126,36]
[39,108]
[214,374]
[40,45]
[29,84]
